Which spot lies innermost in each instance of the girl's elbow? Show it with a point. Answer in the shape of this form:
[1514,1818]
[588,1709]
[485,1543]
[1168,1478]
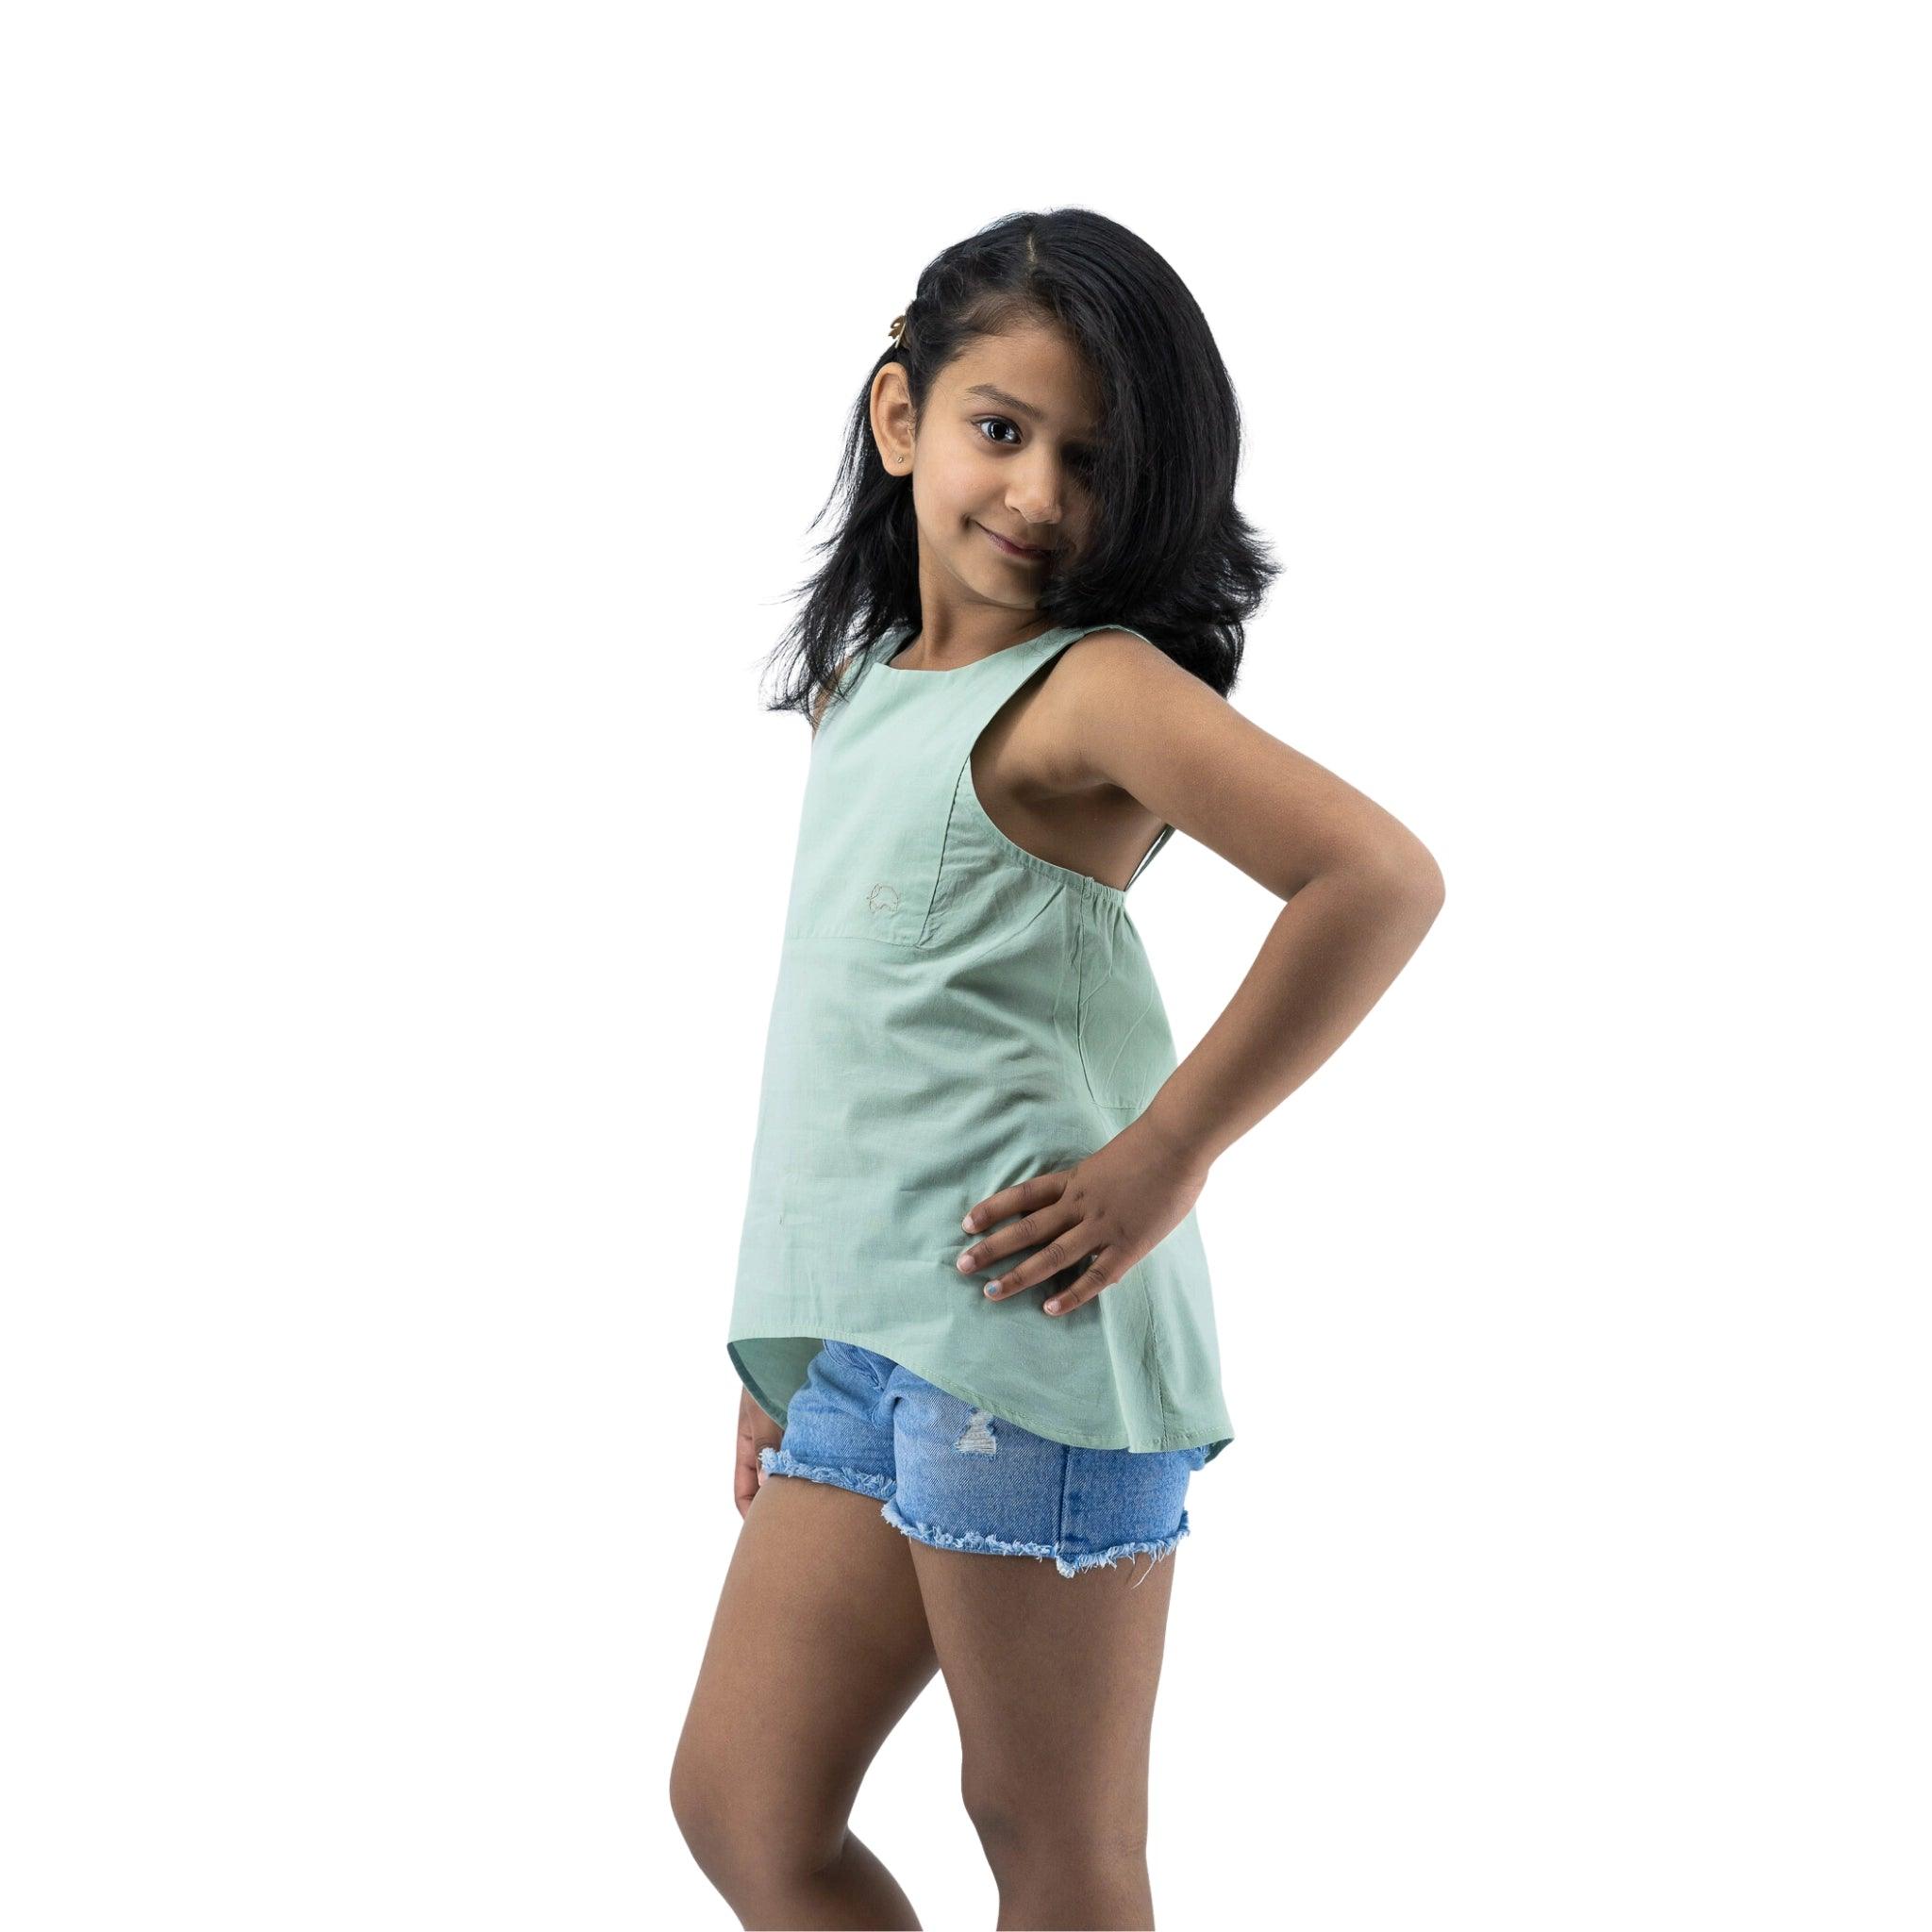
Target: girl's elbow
[1428,883]
[1407,873]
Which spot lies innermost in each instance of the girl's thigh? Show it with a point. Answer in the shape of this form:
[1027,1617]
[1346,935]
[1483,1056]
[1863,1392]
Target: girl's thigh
[1045,1571]
[1053,1682]
[818,1647]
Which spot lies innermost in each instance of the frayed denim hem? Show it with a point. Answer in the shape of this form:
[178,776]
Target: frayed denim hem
[997,1546]
[782,1462]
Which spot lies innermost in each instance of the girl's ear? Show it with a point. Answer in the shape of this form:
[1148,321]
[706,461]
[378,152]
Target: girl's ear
[893,417]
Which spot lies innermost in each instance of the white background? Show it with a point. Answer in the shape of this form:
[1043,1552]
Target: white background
[412,420]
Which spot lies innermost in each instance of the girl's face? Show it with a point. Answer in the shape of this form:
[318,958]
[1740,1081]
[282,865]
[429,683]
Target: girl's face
[1003,453]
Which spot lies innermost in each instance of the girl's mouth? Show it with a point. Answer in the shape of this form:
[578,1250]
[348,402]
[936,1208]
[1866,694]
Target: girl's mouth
[1017,551]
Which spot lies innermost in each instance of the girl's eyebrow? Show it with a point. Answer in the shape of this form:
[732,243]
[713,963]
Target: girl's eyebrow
[1000,396]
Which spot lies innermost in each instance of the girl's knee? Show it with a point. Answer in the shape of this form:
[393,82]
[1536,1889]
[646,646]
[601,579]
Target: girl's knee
[1033,1827]
[699,1805]
[746,1839]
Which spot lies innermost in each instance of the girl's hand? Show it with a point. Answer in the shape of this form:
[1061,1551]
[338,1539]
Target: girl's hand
[1117,1206]
[756,1431]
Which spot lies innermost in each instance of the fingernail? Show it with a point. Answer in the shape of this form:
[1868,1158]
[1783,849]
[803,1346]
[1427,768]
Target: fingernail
[962,1263]
[967,1224]
[1052,1308]
[992,1288]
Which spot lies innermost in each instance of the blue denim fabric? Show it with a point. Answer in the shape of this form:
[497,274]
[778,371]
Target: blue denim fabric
[955,1477]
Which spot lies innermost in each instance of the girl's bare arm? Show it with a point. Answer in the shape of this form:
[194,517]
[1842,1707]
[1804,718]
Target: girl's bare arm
[1362,890]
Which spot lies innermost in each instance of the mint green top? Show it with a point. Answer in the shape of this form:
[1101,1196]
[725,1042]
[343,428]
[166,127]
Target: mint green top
[953,1014]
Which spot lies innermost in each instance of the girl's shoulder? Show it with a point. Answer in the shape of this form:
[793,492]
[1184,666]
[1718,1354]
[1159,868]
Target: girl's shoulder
[1117,712]
[819,702]
[1111,679]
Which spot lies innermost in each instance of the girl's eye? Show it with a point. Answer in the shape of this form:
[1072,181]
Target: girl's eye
[1078,458]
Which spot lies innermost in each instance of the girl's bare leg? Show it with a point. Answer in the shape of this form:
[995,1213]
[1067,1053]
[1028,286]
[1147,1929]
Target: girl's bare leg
[1053,1680]
[818,1648]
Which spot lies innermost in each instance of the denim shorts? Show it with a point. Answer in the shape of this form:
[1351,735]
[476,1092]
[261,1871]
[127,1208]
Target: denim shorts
[959,1478]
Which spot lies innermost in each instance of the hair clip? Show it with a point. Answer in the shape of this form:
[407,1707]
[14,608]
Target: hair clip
[897,331]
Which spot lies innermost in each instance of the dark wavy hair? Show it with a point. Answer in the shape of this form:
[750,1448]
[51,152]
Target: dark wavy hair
[1169,556]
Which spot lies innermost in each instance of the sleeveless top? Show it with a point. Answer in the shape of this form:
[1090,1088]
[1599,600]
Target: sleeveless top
[953,1014]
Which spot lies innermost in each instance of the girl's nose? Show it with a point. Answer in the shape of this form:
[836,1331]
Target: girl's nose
[1036,507]
[1036,494]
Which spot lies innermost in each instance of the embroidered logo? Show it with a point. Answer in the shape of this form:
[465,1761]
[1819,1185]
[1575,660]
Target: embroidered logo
[882,898]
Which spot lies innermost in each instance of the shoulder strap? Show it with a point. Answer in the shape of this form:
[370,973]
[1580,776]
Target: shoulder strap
[991,683]
[886,643]
[971,692]
[859,663]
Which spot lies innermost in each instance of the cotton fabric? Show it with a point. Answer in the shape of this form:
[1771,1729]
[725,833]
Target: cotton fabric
[953,1014]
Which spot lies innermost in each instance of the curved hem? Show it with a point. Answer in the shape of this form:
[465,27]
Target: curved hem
[1213,1437]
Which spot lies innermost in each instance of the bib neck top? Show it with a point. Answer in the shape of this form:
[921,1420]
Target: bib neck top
[953,1014]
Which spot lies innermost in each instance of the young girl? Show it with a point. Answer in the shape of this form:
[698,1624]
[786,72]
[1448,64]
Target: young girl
[972,1315]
